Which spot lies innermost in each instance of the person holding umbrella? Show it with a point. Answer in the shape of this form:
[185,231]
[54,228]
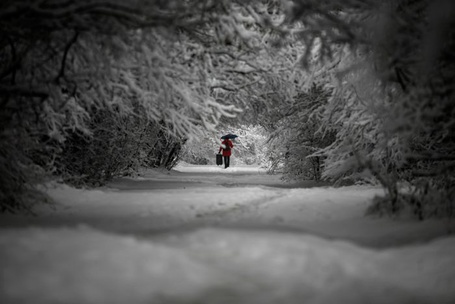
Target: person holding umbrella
[227,146]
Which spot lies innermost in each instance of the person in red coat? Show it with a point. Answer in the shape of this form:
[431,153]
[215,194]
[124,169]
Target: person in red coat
[226,146]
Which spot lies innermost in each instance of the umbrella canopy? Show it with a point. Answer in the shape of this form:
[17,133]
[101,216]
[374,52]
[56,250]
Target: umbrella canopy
[229,136]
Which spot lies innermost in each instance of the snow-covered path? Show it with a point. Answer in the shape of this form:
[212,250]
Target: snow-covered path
[207,235]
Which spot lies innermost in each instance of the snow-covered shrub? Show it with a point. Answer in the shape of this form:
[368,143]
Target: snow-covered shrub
[163,150]
[299,136]
[430,198]
[63,63]
[394,94]
[118,145]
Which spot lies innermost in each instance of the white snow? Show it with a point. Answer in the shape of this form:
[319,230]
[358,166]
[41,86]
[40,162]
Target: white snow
[203,234]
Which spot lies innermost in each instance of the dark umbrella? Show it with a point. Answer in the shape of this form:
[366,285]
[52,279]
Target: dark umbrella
[229,136]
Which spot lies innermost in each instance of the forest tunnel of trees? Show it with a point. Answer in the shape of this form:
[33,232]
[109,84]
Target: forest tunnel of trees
[335,90]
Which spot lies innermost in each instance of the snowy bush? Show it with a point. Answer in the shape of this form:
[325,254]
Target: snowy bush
[392,68]
[299,135]
[65,66]
[117,146]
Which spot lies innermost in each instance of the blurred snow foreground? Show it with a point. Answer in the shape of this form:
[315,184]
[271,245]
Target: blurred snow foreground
[209,235]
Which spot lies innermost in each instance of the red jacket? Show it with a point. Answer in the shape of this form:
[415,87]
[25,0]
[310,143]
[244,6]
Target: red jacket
[226,142]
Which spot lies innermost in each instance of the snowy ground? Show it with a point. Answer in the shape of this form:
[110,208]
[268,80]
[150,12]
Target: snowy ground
[209,235]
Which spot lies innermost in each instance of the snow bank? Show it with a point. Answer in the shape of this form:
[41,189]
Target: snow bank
[217,266]
[85,266]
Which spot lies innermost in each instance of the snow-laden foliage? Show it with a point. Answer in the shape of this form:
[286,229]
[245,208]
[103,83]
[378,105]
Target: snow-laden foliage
[298,135]
[118,146]
[69,68]
[394,95]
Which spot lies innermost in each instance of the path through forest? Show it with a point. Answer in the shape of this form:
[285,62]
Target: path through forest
[202,234]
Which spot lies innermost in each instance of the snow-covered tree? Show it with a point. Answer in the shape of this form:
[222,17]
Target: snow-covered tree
[394,93]
[68,67]
[91,73]
[299,134]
